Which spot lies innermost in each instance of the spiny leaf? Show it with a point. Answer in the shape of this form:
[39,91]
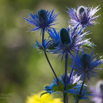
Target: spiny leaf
[71,86]
[61,86]
[56,88]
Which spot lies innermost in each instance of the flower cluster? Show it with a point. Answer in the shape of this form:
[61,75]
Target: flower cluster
[68,42]
[58,86]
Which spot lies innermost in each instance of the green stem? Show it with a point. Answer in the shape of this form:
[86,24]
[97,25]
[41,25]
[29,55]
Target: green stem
[65,98]
[81,88]
[47,56]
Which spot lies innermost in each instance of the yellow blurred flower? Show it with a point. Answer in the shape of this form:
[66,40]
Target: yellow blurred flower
[46,98]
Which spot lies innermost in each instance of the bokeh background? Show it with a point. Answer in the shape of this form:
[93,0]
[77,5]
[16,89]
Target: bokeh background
[23,69]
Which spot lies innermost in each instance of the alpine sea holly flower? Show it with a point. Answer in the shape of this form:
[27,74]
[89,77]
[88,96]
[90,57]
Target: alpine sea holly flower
[84,15]
[40,47]
[77,96]
[69,40]
[86,65]
[43,20]
[97,92]
[59,86]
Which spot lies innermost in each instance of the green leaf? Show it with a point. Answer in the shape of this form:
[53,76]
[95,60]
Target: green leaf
[56,88]
[59,87]
[71,86]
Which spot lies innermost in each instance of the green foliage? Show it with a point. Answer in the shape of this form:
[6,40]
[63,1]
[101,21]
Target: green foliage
[59,87]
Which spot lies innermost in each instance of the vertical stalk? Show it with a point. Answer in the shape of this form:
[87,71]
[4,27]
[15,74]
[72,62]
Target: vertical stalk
[65,98]
[66,63]
[47,56]
[81,87]
[65,78]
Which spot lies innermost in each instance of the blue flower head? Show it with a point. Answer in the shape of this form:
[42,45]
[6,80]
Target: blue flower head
[58,86]
[43,20]
[84,15]
[68,41]
[77,96]
[86,65]
[40,47]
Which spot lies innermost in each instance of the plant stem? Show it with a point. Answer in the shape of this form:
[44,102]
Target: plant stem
[81,88]
[65,98]
[47,56]
[51,66]
[65,78]
[66,60]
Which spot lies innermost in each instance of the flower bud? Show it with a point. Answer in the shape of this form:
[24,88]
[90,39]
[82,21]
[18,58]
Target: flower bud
[85,60]
[81,9]
[42,14]
[64,36]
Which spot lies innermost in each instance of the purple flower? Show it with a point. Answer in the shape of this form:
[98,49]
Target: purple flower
[43,20]
[84,15]
[97,92]
[68,41]
[86,65]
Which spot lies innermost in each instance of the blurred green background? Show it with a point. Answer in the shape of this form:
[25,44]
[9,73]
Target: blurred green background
[23,69]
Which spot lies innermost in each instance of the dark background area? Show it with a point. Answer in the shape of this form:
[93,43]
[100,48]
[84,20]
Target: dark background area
[23,69]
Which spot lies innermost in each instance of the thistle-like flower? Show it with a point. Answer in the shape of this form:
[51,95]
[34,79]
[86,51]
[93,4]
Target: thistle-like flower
[43,20]
[55,86]
[77,96]
[97,92]
[86,65]
[40,47]
[84,15]
[68,41]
